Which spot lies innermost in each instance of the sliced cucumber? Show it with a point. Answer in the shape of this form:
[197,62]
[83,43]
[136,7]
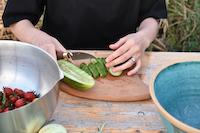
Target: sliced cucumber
[93,60]
[93,70]
[53,128]
[82,65]
[85,68]
[116,74]
[103,60]
[75,77]
[101,68]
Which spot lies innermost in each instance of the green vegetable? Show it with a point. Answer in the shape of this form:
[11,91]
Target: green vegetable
[101,68]
[97,68]
[116,74]
[93,60]
[75,77]
[103,60]
[85,68]
[93,70]
[53,128]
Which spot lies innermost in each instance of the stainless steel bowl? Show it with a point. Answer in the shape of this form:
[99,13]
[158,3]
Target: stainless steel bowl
[28,67]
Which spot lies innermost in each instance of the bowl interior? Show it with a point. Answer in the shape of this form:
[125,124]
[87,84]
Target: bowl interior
[26,67]
[177,88]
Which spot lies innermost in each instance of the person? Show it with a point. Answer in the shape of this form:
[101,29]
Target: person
[125,26]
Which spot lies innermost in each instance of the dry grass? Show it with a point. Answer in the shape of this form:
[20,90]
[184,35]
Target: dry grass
[184,29]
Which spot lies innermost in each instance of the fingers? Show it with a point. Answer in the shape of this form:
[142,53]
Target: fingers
[124,66]
[59,46]
[123,53]
[136,68]
[120,51]
[124,57]
[118,44]
[59,54]
[59,49]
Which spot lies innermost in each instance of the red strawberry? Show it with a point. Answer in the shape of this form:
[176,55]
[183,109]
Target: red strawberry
[19,92]
[29,96]
[19,103]
[13,99]
[6,109]
[7,103]
[7,91]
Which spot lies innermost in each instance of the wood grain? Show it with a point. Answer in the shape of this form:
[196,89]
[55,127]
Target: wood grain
[78,114]
[121,89]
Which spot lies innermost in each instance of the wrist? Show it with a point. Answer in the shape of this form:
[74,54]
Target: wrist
[148,30]
[146,40]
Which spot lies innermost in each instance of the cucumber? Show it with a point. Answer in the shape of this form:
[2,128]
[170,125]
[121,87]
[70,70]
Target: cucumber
[93,70]
[116,74]
[93,60]
[75,77]
[85,68]
[82,65]
[101,68]
[103,60]
[53,128]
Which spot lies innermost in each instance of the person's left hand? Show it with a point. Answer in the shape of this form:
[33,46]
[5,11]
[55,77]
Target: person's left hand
[127,52]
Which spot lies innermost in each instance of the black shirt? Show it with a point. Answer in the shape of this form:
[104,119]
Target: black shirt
[85,24]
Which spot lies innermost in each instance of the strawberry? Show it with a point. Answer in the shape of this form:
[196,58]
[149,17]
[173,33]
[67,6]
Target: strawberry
[19,103]
[13,99]
[7,91]
[19,92]
[6,109]
[7,103]
[29,96]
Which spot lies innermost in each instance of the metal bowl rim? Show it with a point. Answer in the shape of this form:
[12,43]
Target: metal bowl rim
[35,47]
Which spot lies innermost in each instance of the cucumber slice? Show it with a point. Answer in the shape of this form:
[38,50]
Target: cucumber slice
[85,68]
[82,65]
[75,77]
[93,70]
[116,74]
[93,60]
[103,60]
[53,128]
[101,69]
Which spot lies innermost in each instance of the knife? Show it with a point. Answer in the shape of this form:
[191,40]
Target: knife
[74,55]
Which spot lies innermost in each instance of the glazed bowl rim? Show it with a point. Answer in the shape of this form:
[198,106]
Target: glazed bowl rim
[168,116]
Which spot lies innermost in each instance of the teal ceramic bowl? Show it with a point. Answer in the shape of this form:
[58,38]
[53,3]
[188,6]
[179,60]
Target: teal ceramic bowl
[176,92]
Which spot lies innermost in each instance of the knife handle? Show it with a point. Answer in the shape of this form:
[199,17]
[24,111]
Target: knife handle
[65,55]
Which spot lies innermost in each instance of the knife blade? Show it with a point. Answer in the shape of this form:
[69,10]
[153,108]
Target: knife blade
[74,55]
[81,56]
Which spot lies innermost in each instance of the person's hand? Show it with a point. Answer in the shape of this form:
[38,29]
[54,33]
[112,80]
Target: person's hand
[50,45]
[127,52]
[26,32]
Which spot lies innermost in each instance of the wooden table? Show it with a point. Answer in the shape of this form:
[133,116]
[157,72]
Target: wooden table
[78,114]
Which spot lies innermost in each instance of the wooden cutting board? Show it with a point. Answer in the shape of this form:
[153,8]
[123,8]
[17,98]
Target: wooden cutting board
[123,88]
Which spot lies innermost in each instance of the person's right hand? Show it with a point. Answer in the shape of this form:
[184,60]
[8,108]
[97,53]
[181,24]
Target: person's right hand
[49,44]
[26,32]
